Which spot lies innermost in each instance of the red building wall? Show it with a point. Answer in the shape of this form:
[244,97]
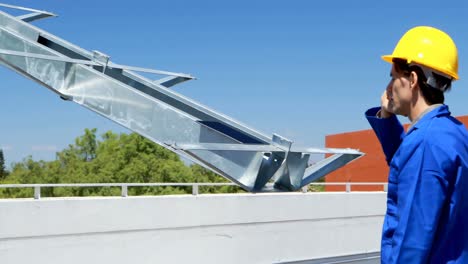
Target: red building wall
[372,167]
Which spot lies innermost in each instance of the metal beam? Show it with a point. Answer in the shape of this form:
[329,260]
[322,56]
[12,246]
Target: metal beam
[34,16]
[171,81]
[93,63]
[48,14]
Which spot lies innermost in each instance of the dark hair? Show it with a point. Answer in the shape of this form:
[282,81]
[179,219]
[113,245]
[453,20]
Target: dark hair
[431,93]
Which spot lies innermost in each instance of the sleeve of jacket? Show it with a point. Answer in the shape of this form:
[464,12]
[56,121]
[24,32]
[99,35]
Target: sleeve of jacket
[389,131]
[422,192]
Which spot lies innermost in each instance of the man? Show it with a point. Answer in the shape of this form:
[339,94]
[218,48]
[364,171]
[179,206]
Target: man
[427,201]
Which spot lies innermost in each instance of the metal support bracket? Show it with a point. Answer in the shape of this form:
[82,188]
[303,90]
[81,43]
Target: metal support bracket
[101,58]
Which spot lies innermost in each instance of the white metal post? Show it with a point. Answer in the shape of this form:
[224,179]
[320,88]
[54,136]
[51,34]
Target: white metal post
[195,189]
[37,192]
[124,191]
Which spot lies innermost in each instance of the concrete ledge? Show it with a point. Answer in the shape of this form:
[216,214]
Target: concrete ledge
[229,228]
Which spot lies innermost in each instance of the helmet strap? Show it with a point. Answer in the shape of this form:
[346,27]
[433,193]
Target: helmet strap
[431,80]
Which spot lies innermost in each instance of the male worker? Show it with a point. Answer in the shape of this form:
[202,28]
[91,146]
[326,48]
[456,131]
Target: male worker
[427,202]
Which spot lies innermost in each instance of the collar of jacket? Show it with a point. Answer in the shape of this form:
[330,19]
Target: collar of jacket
[439,111]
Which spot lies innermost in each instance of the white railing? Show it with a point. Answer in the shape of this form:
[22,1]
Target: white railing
[194,186]
[349,184]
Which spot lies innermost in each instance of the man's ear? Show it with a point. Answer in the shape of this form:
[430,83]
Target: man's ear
[413,79]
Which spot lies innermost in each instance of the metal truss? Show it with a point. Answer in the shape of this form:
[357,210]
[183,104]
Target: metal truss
[254,161]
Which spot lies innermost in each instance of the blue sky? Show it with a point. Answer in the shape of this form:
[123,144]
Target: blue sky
[302,69]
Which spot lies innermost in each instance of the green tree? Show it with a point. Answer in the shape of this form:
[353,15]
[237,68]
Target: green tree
[114,158]
[87,144]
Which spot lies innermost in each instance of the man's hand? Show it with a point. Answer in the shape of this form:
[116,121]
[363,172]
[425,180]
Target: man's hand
[385,111]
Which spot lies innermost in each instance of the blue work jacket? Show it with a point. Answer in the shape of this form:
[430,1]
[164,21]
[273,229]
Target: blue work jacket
[427,202]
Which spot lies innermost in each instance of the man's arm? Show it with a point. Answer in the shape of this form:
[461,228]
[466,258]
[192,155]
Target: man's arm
[389,131]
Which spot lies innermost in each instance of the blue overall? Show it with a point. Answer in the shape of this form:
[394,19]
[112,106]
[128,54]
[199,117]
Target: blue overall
[427,201]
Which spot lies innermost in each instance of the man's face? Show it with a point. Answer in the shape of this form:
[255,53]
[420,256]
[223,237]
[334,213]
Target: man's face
[399,93]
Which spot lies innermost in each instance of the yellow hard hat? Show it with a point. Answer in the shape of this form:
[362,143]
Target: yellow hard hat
[429,47]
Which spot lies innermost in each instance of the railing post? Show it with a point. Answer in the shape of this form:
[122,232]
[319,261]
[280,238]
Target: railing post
[195,189]
[37,192]
[124,190]
[348,187]
[385,187]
